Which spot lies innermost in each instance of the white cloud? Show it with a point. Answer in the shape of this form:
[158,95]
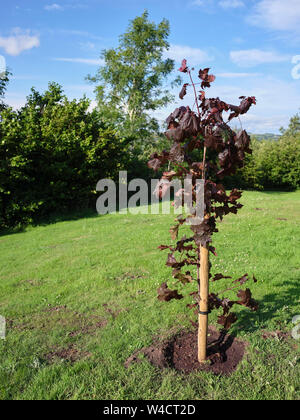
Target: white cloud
[2,66]
[87,46]
[238,40]
[19,41]
[231,4]
[57,7]
[273,110]
[198,3]
[90,61]
[15,100]
[237,75]
[53,7]
[258,124]
[92,106]
[25,77]
[277,15]
[193,56]
[81,34]
[79,88]
[208,6]
[225,4]
[254,57]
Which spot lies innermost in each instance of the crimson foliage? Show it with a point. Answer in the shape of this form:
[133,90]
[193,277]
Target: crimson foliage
[196,138]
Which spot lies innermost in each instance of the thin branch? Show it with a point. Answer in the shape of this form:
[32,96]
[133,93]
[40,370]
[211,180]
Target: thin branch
[196,99]
[199,113]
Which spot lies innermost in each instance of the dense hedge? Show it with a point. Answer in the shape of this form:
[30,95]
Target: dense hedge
[52,153]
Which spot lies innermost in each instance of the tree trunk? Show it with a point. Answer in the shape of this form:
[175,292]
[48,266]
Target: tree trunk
[203,303]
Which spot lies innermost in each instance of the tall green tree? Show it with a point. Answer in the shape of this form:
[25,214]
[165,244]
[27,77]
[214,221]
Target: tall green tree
[131,83]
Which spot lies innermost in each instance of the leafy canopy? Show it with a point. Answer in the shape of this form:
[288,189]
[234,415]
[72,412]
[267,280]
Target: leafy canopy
[131,83]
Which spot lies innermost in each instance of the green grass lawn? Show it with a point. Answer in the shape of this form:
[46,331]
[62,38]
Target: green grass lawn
[87,288]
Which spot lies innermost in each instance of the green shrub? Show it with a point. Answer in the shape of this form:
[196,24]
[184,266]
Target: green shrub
[274,164]
[53,152]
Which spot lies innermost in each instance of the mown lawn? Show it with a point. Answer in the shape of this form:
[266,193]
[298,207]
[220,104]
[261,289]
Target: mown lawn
[79,297]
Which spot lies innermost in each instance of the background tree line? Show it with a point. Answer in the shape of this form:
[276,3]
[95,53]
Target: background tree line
[54,150]
[274,164]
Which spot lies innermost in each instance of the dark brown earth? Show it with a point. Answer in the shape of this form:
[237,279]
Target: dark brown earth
[71,354]
[88,329]
[129,276]
[113,312]
[280,335]
[180,353]
[56,308]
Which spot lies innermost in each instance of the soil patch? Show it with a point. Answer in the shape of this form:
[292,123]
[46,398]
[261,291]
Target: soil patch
[130,276]
[180,353]
[32,282]
[54,317]
[71,354]
[113,312]
[280,335]
[89,329]
[56,308]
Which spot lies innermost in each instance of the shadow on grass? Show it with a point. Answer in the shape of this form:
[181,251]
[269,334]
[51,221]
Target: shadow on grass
[66,217]
[12,231]
[89,213]
[52,219]
[269,307]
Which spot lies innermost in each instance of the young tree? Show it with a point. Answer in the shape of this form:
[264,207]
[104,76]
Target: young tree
[131,82]
[196,138]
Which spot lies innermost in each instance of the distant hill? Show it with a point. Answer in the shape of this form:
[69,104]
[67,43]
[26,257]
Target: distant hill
[266,136]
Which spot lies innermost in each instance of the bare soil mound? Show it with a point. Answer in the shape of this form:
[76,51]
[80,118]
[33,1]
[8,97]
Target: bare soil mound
[180,353]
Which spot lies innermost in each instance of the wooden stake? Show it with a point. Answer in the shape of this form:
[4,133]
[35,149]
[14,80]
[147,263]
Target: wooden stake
[203,304]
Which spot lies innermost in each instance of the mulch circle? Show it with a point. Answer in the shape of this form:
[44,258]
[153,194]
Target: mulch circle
[224,353]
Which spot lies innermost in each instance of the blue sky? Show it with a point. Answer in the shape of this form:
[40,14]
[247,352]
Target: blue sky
[252,46]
